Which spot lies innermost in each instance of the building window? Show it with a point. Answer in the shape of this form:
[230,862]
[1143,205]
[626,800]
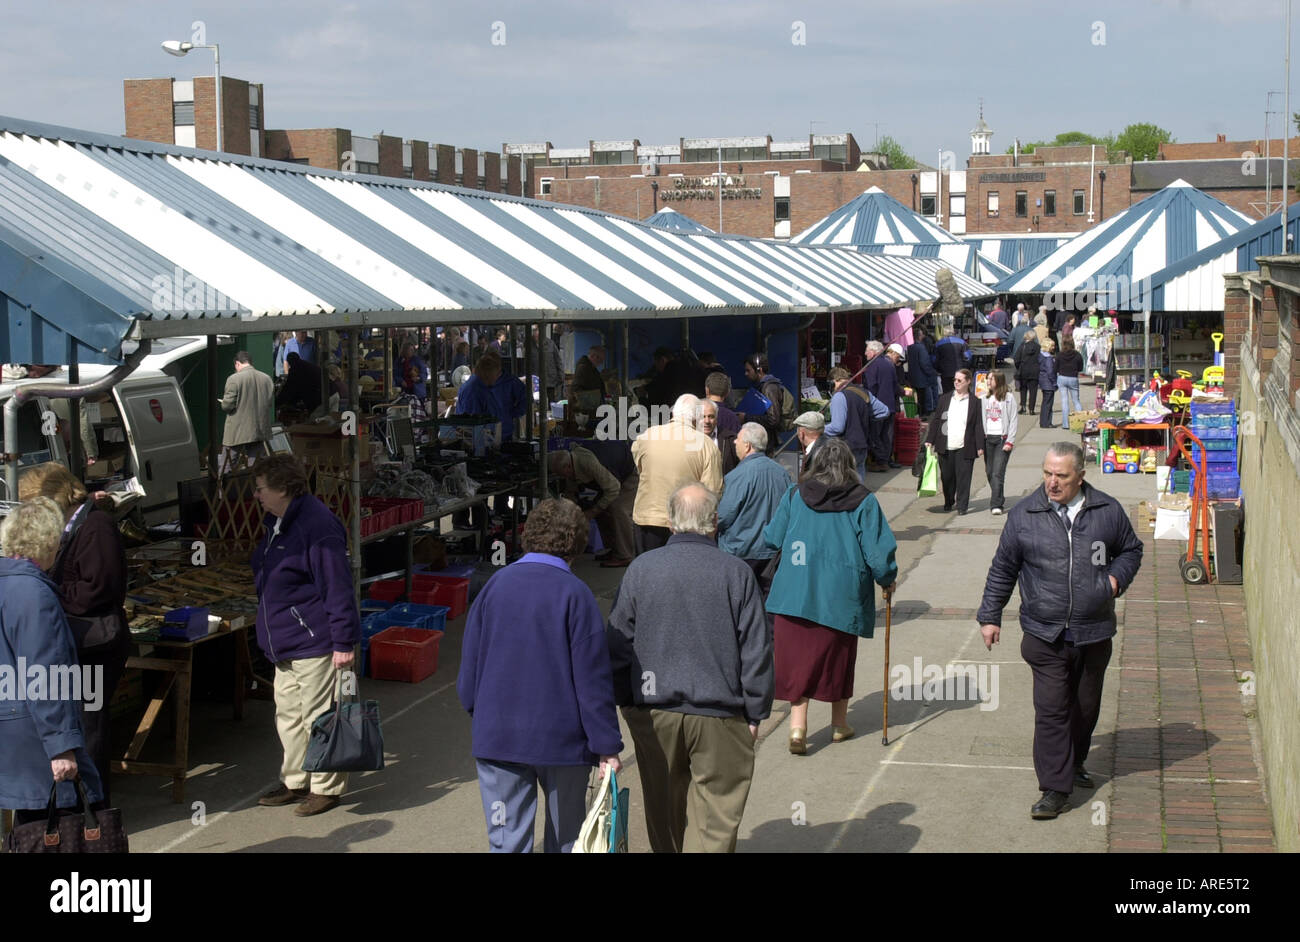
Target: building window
[182,112]
[364,166]
[606,157]
[928,204]
[781,208]
[254,116]
[1078,202]
[957,205]
[1022,203]
[1049,202]
[544,186]
[993,204]
[838,153]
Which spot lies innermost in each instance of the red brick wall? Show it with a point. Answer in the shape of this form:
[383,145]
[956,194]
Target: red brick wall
[514,177]
[390,156]
[492,172]
[323,147]
[1209,150]
[446,163]
[419,160]
[469,168]
[1236,312]
[148,107]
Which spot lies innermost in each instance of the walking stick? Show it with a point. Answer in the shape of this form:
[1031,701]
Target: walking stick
[884,723]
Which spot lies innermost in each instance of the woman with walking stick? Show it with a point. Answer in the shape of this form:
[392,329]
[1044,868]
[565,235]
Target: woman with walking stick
[834,543]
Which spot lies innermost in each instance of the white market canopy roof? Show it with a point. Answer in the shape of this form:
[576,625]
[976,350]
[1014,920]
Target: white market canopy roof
[876,223]
[103,237]
[671,219]
[1113,260]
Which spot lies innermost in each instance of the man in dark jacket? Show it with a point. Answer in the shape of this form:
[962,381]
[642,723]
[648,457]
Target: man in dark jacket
[1026,361]
[881,380]
[852,409]
[301,389]
[692,660]
[950,355]
[1074,552]
[759,372]
[922,374]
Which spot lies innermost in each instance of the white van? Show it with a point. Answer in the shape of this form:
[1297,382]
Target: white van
[143,430]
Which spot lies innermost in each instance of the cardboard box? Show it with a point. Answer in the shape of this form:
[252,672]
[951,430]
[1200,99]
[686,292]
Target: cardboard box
[325,444]
[429,551]
[105,467]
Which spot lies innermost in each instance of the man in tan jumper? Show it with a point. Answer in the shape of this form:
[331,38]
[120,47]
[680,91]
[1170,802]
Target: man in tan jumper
[668,456]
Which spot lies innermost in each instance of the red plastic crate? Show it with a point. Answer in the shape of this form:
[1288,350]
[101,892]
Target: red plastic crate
[387,590]
[408,655]
[432,589]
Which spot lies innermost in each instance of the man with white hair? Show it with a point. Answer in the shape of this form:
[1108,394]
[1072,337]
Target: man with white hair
[881,380]
[710,423]
[691,654]
[754,489]
[666,457]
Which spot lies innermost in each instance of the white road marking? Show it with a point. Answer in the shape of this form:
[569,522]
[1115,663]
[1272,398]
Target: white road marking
[959,765]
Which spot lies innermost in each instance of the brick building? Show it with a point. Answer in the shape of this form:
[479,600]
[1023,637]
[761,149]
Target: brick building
[183,112]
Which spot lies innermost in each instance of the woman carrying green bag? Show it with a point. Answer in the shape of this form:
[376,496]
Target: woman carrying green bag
[956,438]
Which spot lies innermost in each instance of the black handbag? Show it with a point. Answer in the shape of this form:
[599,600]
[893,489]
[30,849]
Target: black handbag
[347,737]
[69,832]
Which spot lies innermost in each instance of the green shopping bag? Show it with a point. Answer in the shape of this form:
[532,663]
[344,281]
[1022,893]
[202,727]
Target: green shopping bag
[929,485]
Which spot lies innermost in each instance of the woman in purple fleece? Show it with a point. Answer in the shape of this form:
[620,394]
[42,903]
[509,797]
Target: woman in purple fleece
[535,677]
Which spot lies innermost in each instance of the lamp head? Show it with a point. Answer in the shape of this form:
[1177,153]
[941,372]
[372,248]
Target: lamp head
[176,47]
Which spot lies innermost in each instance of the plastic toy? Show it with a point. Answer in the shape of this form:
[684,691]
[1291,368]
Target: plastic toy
[1127,458]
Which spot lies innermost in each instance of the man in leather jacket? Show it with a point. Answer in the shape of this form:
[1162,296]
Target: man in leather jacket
[1073,551]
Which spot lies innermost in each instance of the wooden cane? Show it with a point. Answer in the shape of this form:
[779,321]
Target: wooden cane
[884,723]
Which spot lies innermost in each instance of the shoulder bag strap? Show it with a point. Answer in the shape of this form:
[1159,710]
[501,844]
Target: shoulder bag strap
[69,534]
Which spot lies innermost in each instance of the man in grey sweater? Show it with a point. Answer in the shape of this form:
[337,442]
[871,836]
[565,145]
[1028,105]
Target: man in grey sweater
[692,658]
[247,403]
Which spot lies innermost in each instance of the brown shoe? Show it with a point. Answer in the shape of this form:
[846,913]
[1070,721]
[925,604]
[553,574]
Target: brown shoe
[316,804]
[283,795]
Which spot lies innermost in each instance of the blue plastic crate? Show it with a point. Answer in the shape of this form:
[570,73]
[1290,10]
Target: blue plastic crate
[1224,486]
[185,624]
[1215,433]
[413,615]
[369,606]
[1203,421]
[1213,408]
[1213,456]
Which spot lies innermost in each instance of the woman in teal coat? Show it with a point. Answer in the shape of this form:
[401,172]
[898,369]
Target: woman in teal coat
[834,542]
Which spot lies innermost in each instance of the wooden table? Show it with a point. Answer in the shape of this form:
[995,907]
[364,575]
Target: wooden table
[175,659]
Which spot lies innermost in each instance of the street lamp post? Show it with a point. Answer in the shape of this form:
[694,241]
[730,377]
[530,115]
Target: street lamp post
[177,48]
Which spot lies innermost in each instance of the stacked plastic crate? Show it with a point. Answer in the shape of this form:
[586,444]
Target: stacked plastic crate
[1215,424]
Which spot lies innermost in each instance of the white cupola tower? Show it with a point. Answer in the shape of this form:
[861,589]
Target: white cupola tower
[981,136]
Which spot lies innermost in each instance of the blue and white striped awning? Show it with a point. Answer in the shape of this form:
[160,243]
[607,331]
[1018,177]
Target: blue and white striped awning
[1196,283]
[1017,252]
[873,218]
[1113,262]
[671,219]
[878,224]
[102,236]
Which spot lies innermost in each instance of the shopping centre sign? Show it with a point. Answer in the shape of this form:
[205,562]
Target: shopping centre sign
[706,188]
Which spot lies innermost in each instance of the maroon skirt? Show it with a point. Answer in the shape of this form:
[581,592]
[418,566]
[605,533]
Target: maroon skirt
[813,661]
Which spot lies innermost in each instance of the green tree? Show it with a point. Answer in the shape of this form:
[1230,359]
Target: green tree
[1142,141]
[899,159]
[1064,139]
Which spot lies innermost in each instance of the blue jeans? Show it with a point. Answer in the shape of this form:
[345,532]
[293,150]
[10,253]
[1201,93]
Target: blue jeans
[1069,386]
[509,793]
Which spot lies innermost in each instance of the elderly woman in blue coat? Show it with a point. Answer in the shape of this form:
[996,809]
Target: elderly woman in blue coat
[40,718]
[834,543]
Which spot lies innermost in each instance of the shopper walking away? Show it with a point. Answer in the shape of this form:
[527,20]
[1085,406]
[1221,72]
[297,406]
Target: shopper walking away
[692,661]
[1047,382]
[834,542]
[666,456]
[1026,360]
[535,677]
[1069,364]
[753,490]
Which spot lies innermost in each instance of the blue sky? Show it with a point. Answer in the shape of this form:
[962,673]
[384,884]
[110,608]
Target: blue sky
[567,71]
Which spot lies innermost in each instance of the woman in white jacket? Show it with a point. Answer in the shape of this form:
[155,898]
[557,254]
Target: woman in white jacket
[999,411]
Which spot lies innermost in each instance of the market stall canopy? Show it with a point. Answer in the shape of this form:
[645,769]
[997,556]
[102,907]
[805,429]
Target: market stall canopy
[1113,261]
[878,224]
[105,237]
[671,219]
[1196,283]
[1017,252]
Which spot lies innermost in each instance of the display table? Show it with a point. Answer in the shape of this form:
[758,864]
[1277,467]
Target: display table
[175,659]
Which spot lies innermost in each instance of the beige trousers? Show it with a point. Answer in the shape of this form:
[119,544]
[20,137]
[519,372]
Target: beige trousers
[615,521]
[303,691]
[695,778]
